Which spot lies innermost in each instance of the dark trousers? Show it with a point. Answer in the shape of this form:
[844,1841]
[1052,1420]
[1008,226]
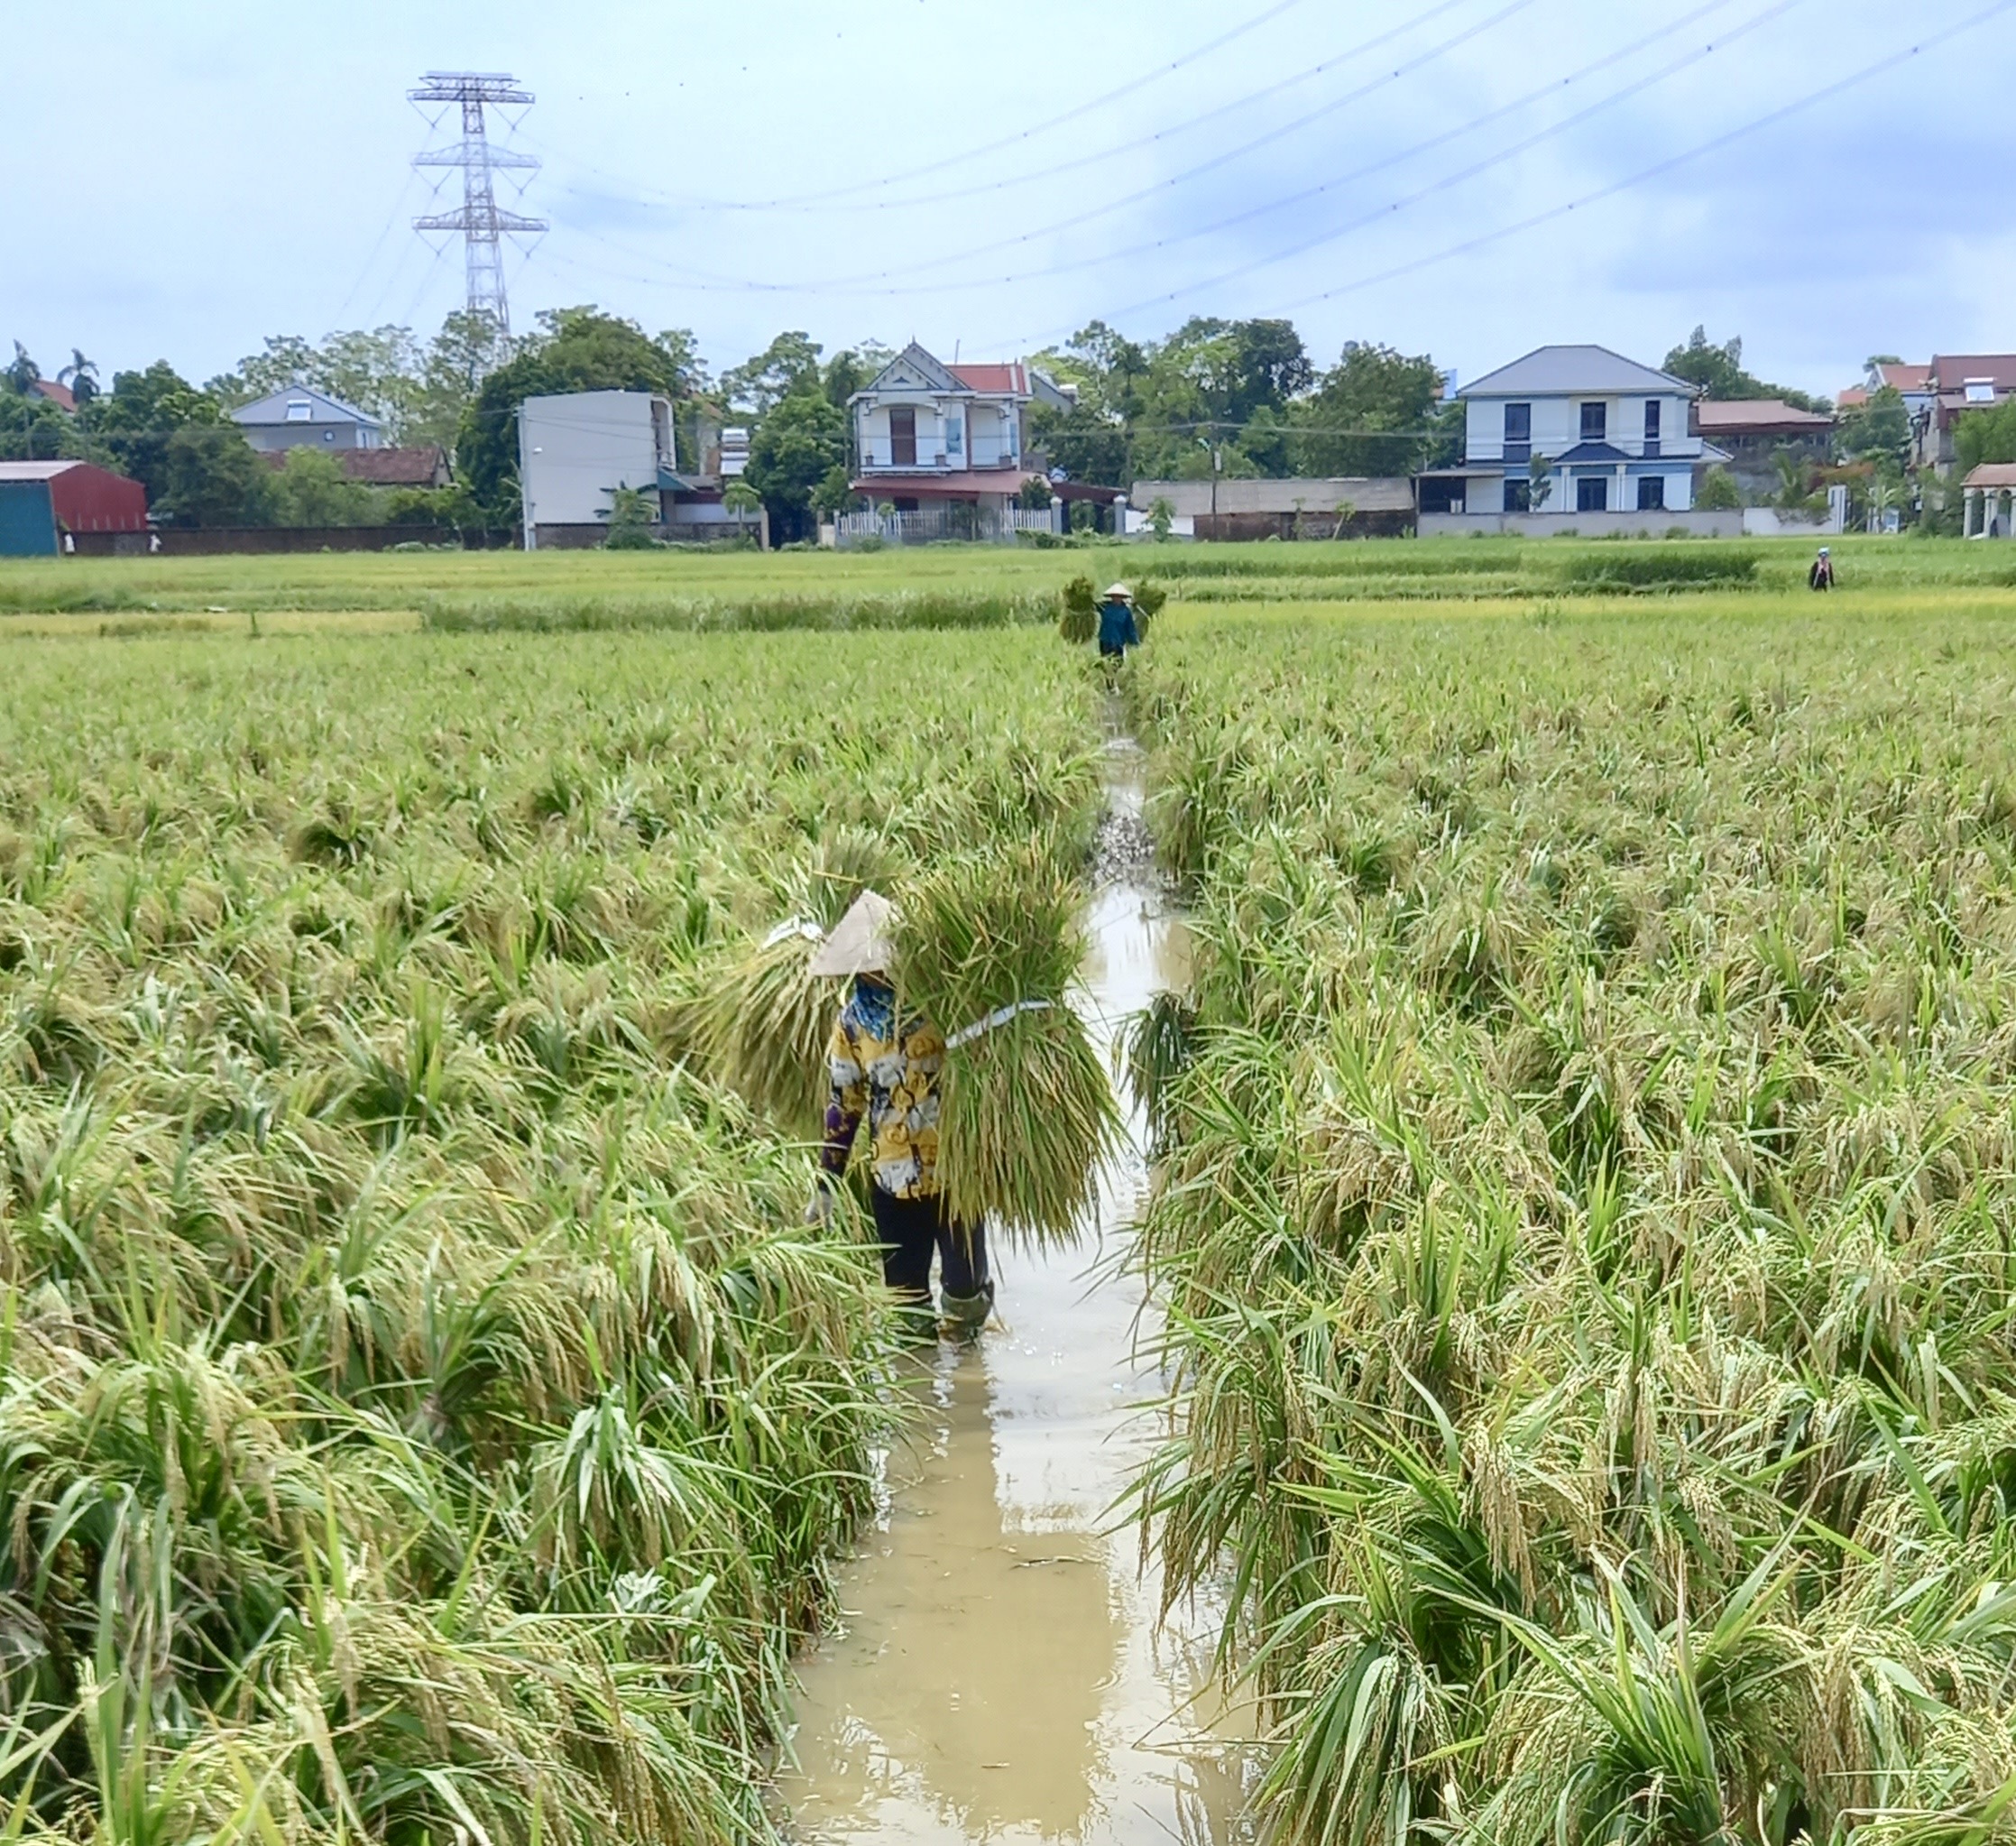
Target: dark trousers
[910,1230]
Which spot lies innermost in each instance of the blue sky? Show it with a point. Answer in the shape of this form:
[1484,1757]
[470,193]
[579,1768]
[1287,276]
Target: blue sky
[196,177]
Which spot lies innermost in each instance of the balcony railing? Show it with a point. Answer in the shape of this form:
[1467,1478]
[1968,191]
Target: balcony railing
[930,524]
[985,455]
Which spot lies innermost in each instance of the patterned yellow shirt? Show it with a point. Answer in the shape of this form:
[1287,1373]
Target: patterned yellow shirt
[891,1076]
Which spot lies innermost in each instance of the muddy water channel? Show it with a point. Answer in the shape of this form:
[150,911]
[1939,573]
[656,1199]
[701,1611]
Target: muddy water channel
[997,1673]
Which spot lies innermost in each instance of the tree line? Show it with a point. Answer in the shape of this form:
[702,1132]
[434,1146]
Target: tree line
[1237,397]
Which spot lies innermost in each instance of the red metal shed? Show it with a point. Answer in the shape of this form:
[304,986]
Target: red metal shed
[85,498]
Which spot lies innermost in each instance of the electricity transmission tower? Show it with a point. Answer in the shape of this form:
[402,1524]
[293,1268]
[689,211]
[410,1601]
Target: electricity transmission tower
[484,225]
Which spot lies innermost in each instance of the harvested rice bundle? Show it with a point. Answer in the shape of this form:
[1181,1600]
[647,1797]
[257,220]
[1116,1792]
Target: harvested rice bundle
[765,1021]
[987,948]
[1080,621]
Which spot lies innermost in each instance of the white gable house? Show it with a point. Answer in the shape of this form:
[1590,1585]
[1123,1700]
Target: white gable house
[1572,433]
[950,438]
[301,417]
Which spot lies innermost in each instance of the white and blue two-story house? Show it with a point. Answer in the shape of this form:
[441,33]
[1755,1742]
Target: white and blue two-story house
[1575,430]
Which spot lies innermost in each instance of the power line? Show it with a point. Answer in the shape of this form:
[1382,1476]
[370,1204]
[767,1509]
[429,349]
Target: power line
[812,200]
[1447,181]
[1825,93]
[858,284]
[1282,201]
[1266,93]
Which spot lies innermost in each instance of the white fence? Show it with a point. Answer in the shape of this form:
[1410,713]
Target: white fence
[934,524]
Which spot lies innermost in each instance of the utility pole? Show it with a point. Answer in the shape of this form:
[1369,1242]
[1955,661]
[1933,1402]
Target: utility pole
[482,224]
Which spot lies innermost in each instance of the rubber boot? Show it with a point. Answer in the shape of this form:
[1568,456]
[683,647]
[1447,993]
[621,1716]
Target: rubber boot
[966,1315]
[915,1325]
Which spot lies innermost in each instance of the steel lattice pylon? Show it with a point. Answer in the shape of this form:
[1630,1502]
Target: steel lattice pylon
[482,223]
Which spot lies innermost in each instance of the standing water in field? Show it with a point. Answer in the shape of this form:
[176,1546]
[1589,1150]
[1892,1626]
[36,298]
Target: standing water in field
[996,1671]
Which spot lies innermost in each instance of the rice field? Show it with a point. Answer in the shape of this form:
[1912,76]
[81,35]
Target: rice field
[1586,1211]
[933,586]
[1583,1194]
[423,1411]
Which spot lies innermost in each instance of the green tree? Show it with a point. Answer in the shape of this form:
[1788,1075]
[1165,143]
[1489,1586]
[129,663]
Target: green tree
[794,449]
[312,490]
[1985,436]
[34,429]
[1718,492]
[81,374]
[633,512]
[854,369]
[23,374]
[1087,443]
[1540,482]
[1719,371]
[1372,390]
[575,349]
[833,494]
[1876,430]
[141,412]
[213,477]
[789,364]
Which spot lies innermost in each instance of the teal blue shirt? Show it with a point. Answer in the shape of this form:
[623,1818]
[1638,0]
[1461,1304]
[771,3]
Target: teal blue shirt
[1116,626]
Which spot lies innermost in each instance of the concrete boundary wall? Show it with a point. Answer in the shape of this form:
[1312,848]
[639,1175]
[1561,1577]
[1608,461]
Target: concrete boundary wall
[1583,525]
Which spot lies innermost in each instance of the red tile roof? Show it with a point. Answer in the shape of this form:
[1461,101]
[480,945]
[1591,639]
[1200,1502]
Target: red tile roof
[425,467]
[1902,377]
[1009,378]
[1763,416]
[60,395]
[1951,371]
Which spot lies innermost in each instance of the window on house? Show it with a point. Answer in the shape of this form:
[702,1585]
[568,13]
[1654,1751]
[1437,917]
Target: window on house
[1651,426]
[1518,432]
[1592,494]
[1518,494]
[1652,494]
[1596,422]
[1981,390]
[955,434]
[299,410]
[903,437]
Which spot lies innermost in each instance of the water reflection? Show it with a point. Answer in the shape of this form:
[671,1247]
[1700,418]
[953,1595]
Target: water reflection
[969,1683]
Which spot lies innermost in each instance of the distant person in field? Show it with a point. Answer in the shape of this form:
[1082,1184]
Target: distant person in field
[1118,629]
[888,1069]
[1822,576]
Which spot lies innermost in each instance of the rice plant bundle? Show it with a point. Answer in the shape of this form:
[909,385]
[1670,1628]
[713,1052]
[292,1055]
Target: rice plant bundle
[765,1021]
[1079,621]
[986,949]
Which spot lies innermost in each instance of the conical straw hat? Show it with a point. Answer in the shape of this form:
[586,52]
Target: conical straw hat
[862,942]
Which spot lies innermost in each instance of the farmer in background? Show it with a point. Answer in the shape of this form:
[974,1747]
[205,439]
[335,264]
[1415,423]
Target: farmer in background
[888,1069]
[1118,630]
[1822,576]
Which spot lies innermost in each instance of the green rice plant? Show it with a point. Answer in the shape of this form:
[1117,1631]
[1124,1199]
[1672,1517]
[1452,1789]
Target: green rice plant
[1661,568]
[1580,1198]
[989,948]
[421,1413]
